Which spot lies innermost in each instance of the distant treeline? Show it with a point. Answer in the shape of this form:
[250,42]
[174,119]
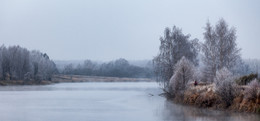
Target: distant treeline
[117,68]
[17,63]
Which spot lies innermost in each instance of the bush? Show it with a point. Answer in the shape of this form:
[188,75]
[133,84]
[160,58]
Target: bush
[251,93]
[244,80]
[225,86]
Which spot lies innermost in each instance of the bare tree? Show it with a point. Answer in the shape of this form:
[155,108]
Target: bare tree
[220,48]
[209,47]
[183,73]
[174,45]
[68,69]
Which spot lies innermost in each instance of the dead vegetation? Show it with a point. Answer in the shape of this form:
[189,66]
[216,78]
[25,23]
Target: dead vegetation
[205,96]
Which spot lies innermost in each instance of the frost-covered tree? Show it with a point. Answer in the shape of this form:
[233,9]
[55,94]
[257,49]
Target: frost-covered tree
[5,64]
[174,45]
[183,73]
[209,48]
[220,48]
[222,75]
[14,62]
[117,68]
[42,66]
[68,69]
[17,63]
[1,61]
[225,85]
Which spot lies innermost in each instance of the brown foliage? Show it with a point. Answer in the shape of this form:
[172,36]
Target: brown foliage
[204,96]
[244,80]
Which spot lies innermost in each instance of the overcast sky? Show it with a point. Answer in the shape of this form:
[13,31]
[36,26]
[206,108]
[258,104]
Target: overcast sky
[110,29]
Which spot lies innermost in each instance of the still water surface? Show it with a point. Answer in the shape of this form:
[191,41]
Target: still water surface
[101,101]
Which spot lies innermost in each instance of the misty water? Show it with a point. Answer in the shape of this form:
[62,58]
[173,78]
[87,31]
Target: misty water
[101,101]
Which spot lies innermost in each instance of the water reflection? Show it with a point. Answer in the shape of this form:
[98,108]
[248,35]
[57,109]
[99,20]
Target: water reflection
[137,101]
[174,112]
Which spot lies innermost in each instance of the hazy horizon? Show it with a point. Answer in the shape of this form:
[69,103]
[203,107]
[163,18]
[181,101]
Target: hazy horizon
[107,30]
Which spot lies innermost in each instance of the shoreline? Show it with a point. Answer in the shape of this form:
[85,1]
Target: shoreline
[73,78]
[83,78]
[204,96]
[21,82]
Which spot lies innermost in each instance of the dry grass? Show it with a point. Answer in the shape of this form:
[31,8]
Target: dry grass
[81,78]
[204,95]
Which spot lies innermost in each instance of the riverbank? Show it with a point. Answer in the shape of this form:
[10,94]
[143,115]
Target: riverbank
[82,78]
[73,78]
[21,82]
[204,96]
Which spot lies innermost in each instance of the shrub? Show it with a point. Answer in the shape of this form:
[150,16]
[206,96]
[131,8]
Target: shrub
[251,93]
[225,86]
[244,80]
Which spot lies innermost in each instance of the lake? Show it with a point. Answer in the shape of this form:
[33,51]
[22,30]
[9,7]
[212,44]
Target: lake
[101,101]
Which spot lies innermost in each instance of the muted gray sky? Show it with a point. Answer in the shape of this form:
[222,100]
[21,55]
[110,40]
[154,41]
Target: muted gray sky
[110,29]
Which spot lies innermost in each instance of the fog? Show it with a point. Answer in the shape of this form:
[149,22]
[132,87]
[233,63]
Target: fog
[105,30]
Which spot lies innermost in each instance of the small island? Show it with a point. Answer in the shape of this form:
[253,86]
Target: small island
[209,74]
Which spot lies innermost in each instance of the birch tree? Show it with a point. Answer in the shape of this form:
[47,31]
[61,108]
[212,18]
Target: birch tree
[174,45]
[220,48]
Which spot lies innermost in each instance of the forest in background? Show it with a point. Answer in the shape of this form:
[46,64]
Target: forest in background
[32,67]
[117,68]
[18,63]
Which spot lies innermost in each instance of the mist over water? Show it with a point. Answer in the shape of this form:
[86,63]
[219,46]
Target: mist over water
[101,101]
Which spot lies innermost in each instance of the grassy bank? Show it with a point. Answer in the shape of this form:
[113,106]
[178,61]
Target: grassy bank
[204,95]
[21,82]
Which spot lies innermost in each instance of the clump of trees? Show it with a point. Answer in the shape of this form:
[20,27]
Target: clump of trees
[117,68]
[17,63]
[219,49]
[174,45]
[221,63]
